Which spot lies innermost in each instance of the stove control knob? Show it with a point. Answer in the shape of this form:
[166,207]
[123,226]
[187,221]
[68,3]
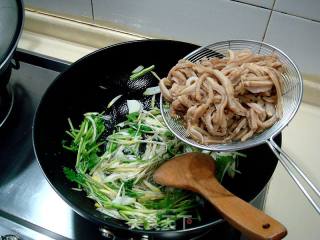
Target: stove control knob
[10,237]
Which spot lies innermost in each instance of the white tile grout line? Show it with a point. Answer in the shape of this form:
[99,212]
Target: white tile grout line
[298,16]
[274,3]
[274,10]
[250,4]
[92,11]
[265,31]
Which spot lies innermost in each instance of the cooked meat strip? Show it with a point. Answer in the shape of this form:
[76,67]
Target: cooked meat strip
[254,78]
[226,99]
[186,101]
[240,125]
[206,136]
[270,109]
[176,89]
[242,132]
[220,107]
[189,89]
[198,86]
[178,109]
[189,114]
[233,104]
[207,119]
[249,134]
[269,122]
[195,134]
[164,90]
[187,72]
[258,86]
[198,113]
[179,77]
[276,82]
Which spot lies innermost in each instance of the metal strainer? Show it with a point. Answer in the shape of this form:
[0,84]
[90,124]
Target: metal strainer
[292,96]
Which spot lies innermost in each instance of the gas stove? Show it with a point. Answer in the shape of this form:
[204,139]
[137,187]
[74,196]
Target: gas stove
[29,207]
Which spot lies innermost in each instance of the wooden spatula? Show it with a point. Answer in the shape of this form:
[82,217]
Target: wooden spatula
[196,172]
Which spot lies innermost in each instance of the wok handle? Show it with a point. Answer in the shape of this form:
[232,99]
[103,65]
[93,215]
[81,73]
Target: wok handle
[295,172]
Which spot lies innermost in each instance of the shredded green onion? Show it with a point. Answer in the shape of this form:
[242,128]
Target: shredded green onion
[113,101]
[133,106]
[137,69]
[116,171]
[139,74]
[151,91]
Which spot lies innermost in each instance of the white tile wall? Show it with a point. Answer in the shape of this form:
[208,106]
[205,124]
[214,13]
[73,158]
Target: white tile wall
[304,8]
[299,38]
[261,3]
[8,4]
[186,20]
[70,7]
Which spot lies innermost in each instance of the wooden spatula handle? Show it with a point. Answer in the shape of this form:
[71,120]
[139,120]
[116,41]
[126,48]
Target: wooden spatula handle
[252,222]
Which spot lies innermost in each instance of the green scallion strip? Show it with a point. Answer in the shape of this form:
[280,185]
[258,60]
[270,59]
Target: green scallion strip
[116,171]
[141,73]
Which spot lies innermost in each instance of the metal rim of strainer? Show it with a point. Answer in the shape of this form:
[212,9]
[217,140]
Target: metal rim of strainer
[288,113]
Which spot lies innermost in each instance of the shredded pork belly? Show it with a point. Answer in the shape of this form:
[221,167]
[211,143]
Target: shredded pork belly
[225,99]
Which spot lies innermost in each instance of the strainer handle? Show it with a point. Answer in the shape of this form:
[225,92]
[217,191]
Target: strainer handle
[297,175]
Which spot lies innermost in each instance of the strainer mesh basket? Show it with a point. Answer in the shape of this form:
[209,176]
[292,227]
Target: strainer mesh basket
[291,95]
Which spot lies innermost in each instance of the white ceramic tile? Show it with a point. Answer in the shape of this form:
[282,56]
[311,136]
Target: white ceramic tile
[299,38]
[260,3]
[70,7]
[285,201]
[303,8]
[185,20]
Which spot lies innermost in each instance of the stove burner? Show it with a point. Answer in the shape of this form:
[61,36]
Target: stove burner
[6,103]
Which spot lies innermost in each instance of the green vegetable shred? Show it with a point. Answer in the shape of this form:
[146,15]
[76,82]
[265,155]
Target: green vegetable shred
[116,171]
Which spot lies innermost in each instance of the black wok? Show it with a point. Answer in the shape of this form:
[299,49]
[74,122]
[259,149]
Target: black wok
[88,85]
